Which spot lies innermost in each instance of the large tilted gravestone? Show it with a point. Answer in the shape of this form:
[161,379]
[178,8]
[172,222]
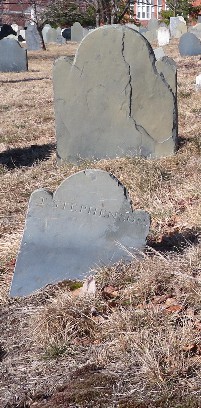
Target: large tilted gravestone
[189,45]
[33,40]
[13,58]
[87,223]
[107,102]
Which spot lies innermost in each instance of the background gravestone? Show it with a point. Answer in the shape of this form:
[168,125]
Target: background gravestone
[51,35]
[33,41]
[180,29]
[196,30]
[60,39]
[116,96]
[78,32]
[133,26]
[163,36]
[44,32]
[88,222]
[174,23]
[13,58]
[189,45]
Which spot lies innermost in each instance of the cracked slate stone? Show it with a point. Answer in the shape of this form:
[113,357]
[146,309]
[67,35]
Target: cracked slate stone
[111,102]
[87,223]
[13,58]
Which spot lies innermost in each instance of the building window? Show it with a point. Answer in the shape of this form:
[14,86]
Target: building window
[144,9]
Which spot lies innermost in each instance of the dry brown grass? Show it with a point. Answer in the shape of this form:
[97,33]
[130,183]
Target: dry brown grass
[139,345]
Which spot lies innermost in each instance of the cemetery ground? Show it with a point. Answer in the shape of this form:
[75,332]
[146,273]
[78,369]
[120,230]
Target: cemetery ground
[137,341]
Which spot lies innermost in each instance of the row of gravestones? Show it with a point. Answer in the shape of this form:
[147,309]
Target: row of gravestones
[122,103]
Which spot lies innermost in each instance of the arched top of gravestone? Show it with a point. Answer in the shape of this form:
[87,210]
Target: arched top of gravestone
[189,45]
[114,68]
[13,56]
[87,223]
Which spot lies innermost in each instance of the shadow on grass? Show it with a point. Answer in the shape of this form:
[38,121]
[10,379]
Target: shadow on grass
[15,81]
[26,157]
[177,241]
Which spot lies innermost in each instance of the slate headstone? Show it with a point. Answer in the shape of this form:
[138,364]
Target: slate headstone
[33,40]
[13,58]
[174,22]
[153,26]
[115,99]
[163,35]
[189,45]
[78,32]
[44,32]
[51,35]
[196,30]
[180,29]
[199,18]
[60,39]
[87,223]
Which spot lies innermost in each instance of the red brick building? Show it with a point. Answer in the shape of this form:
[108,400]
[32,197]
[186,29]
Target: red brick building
[17,11]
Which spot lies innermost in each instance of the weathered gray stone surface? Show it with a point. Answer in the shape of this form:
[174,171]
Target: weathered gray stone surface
[78,32]
[153,26]
[196,30]
[163,35]
[198,82]
[13,58]
[180,29]
[174,22]
[60,39]
[115,98]
[45,31]
[167,67]
[33,41]
[159,53]
[133,26]
[189,45]
[150,35]
[51,35]
[88,222]
[199,19]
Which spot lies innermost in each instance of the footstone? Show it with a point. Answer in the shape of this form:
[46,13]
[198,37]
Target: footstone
[159,53]
[33,40]
[163,35]
[87,223]
[189,45]
[198,82]
[115,97]
[13,58]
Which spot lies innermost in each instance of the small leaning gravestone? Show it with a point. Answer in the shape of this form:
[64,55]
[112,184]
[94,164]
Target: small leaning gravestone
[119,104]
[13,58]
[87,223]
[33,40]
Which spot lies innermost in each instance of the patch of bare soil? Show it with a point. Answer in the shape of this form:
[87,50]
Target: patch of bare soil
[137,341]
